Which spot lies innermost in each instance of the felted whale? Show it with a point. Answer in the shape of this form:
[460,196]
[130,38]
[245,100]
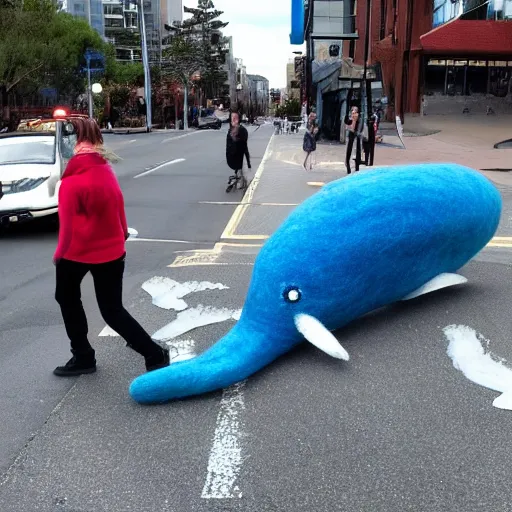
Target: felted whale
[359,244]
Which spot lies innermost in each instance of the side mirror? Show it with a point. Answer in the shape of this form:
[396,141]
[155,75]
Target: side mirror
[69,129]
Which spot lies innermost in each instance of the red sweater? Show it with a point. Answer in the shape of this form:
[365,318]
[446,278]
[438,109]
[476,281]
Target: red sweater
[91,212]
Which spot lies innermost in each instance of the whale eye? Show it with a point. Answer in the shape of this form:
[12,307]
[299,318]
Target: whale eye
[292,294]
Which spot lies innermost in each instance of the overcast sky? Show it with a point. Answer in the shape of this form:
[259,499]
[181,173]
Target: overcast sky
[261,35]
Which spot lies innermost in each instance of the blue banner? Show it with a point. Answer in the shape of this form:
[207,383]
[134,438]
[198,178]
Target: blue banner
[297,34]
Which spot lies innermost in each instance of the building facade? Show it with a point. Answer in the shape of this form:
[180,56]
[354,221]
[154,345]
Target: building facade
[259,94]
[435,56]
[292,84]
[441,56]
[90,10]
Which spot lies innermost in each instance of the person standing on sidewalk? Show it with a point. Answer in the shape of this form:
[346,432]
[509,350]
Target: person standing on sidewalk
[92,236]
[309,145]
[354,126]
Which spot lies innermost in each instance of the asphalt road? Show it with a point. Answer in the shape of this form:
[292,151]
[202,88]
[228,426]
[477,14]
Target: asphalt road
[397,428]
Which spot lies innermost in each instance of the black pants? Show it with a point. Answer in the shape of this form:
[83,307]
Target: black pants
[350,145]
[108,284]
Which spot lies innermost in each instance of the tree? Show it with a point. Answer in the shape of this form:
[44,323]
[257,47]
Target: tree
[205,26]
[40,46]
[182,59]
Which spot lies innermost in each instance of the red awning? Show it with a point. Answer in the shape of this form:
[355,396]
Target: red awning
[468,37]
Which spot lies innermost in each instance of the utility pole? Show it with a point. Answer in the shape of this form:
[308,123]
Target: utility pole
[145,63]
[367,89]
[89,86]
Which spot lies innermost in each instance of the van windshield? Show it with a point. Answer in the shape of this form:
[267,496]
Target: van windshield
[27,150]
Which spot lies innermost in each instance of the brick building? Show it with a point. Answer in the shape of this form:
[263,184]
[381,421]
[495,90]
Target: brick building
[449,56]
[456,55]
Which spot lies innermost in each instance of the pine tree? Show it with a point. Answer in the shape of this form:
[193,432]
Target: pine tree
[205,26]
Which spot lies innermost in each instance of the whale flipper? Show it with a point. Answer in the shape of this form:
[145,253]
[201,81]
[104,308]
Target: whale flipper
[504,401]
[317,334]
[439,282]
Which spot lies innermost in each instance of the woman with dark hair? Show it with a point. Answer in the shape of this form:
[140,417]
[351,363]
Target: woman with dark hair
[92,236]
[236,150]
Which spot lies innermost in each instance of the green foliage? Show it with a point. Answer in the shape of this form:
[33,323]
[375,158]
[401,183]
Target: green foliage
[291,108]
[183,58]
[204,26]
[42,47]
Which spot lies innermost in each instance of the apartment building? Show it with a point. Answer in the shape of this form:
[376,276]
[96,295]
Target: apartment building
[90,10]
[118,21]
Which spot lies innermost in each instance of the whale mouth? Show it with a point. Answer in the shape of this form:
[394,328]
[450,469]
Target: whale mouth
[318,335]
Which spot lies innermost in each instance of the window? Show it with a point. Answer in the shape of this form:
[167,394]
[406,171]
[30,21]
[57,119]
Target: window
[500,10]
[383,9]
[114,23]
[110,9]
[131,19]
[79,8]
[446,10]
[352,49]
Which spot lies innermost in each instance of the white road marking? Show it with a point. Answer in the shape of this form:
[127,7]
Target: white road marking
[225,459]
[193,318]
[170,139]
[132,141]
[160,240]
[168,294]
[229,203]
[108,331]
[133,233]
[158,167]
[468,356]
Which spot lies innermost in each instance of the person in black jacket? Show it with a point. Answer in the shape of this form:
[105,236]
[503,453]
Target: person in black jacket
[355,128]
[236,145]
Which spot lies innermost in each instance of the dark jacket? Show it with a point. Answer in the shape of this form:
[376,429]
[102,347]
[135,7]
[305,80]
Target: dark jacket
[237,148]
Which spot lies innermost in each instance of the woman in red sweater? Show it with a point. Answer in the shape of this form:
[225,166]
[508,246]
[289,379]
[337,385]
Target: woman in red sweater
[92,237]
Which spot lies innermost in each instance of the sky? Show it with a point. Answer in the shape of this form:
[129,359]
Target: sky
[261,35]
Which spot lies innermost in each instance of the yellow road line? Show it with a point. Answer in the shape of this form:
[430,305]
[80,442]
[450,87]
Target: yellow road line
[236,218]
[203,257]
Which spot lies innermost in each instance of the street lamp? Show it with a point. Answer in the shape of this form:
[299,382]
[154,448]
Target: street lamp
[145,63]
[366,92]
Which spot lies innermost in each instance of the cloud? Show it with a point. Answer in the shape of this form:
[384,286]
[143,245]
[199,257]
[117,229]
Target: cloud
[261,35]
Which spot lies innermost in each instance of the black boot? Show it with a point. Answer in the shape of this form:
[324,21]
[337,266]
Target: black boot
[79,364]
[157,361]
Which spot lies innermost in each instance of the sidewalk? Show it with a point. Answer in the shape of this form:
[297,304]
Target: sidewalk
[281,183]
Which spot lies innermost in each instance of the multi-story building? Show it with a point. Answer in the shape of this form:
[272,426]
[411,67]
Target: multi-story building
[230,68]
[242,86]
[90,10]
[452,55]
[118,21]
[292,84]
[259,94]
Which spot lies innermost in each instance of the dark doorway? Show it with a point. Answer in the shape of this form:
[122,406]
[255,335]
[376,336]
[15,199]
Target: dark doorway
[331,111]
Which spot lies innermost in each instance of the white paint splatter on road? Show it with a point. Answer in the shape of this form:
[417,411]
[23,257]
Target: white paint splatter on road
[468,355]
[133,233]
[182,350]
[192,319]
[108,331]
[168,294]
[225,459]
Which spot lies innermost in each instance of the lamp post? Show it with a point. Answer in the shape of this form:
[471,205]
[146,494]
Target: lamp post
[367,90]
[145,63]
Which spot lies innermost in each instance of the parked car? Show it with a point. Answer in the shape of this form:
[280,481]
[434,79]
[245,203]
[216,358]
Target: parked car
[32,161]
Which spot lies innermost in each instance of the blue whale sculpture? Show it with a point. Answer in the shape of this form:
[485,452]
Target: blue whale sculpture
[360,243]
